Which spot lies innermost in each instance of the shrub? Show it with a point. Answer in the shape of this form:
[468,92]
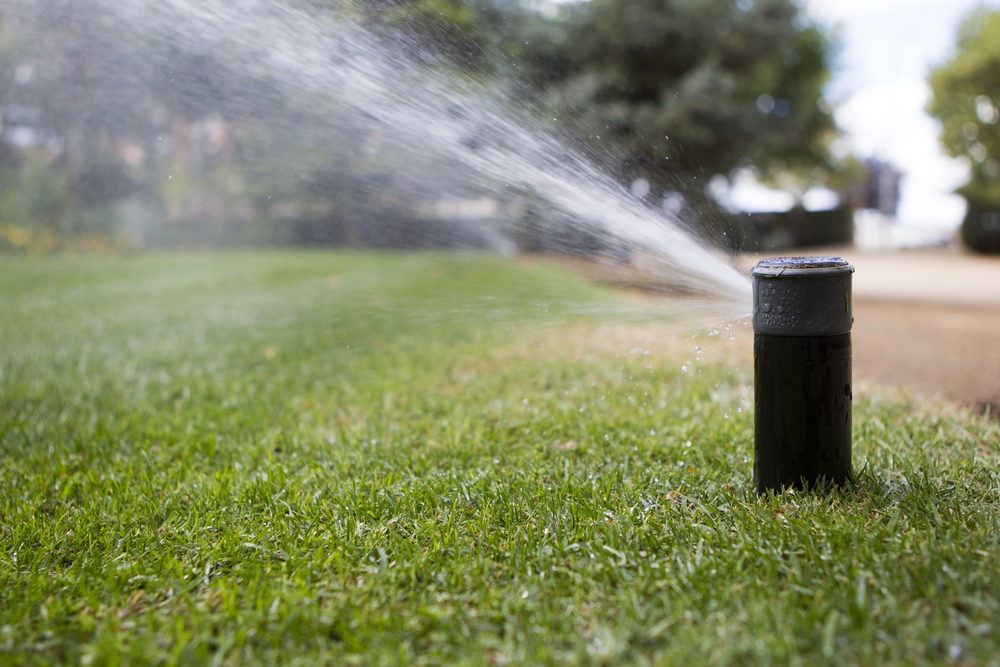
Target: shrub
[981,227]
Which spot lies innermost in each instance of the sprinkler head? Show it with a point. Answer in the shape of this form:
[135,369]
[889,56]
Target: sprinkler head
[802,317]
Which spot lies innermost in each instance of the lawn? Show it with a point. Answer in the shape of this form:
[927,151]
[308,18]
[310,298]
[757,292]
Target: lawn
[364,458]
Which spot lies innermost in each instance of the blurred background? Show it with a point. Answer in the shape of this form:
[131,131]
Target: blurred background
[615,130]
[762,125]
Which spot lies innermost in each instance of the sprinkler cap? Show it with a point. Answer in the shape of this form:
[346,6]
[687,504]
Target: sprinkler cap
[802,296]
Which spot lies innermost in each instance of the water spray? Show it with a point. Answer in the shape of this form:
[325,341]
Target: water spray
[802,317]
[329,70]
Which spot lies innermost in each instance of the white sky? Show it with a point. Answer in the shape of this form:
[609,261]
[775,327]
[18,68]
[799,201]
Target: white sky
[879,91]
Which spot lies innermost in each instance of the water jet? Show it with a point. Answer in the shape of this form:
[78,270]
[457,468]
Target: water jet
[448,134]
[802,318]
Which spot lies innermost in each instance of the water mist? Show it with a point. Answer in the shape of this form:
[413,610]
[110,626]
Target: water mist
[326,62]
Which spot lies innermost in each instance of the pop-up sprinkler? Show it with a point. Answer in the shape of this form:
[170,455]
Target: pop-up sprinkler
[802,318]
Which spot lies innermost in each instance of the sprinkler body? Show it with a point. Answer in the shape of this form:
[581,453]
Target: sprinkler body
[802,317]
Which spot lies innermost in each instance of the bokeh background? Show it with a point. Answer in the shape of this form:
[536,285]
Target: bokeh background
[760,124]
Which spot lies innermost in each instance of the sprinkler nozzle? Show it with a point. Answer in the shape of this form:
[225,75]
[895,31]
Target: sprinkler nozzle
[802,317]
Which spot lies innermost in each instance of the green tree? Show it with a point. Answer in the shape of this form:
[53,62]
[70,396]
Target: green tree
[966,91]
[687,87]
[464,32]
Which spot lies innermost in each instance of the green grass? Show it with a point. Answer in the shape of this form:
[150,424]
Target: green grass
[421,459]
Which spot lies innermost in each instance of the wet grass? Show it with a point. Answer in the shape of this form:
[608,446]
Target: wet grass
[404,459]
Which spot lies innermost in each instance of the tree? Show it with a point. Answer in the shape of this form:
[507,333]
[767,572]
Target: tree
[666,93]
[966,94]
[463,32]
[686,87]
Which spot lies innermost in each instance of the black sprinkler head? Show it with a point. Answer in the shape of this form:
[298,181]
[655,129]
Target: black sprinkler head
[802,317]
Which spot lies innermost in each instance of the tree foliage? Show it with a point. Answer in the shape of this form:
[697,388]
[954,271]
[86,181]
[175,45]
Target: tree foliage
[966,96]
[687,86]
[665,86]
[466,33]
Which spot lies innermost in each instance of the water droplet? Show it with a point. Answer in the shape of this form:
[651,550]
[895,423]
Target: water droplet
[766,308]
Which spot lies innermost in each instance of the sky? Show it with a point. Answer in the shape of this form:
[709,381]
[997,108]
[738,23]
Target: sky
[879,90]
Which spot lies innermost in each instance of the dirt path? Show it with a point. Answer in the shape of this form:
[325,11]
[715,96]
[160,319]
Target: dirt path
[947,351]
